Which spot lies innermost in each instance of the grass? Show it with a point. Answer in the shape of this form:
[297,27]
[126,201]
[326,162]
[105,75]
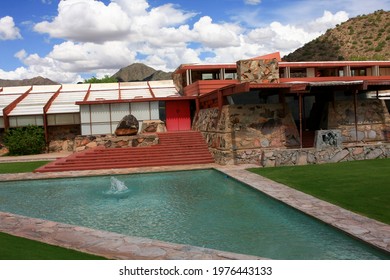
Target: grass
[360,186]
[20,167]
[17,248]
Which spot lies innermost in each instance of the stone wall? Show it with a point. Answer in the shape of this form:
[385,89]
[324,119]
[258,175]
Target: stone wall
[81,143]
[258,71]
[289,157]
[373,120]
[242,131]
[68,139]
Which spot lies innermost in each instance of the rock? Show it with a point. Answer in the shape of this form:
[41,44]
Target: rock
[376,153]
[339,156]
[372,134]
[153,126]
[127,126]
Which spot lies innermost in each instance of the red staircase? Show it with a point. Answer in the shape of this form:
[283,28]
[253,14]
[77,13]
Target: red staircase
[174,148]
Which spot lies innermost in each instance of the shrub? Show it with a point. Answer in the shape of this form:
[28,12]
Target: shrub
[25,140]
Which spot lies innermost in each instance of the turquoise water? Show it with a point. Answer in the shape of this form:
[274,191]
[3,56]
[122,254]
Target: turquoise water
[202,208]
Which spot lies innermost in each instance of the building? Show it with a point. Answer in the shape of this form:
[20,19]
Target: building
[244,109]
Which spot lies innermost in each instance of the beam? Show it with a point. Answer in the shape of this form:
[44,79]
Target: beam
[46,109]
[300,120]
[355,111]
[8,109]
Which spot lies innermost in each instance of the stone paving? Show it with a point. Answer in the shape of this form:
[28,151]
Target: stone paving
[117,246]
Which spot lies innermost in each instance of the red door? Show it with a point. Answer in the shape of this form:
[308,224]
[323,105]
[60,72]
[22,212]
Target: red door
[178,115]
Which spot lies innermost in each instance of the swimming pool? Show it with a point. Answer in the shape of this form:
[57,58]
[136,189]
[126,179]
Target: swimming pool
[202,208]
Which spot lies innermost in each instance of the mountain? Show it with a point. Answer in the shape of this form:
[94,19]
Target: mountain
[140,72]
[27,82]
[365,37]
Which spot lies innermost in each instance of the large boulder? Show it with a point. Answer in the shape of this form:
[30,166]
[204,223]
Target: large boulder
[127,126]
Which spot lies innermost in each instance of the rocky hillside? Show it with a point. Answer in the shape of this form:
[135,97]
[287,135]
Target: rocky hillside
[140,72]
[366,37]
[27,82]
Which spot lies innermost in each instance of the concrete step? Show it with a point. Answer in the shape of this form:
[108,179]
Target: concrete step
[174,148]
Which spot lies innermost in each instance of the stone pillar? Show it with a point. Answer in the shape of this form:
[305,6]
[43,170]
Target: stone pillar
[258,71]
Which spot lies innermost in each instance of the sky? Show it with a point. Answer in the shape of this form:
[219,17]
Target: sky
[72,40]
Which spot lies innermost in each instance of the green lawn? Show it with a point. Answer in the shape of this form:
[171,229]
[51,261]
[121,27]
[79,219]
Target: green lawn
[16,248]
[360,186]
[20,167]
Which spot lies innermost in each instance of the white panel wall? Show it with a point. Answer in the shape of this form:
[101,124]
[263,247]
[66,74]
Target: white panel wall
[118,111]
[18,121]
[104,118]
[100,119]
[140,110]
[85,120]
[154,114]
[63,119]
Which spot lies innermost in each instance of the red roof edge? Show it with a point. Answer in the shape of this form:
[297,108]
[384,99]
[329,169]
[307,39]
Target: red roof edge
[275,55]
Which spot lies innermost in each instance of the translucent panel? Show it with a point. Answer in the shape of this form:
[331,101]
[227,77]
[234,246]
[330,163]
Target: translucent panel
[15,90]
[105,86]
[101,128]
[21,121]
[12,122]
[103,95]
[45,88]
[85,114]
[85,129]
[77,119]
[133,85]
[39,120]
[136,93]
[100,113]
[75,87]
[113,126]
[154,115]
[119,110]
[140,110]
[63,119]
[51,120]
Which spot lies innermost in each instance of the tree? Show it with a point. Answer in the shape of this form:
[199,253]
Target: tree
[105,79]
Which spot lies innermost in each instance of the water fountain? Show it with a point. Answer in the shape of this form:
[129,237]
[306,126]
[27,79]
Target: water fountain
[117,190]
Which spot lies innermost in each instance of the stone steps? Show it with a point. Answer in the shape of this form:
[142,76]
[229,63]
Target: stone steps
[174,148]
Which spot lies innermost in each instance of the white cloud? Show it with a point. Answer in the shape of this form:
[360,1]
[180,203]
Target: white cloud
[86,57]
[98,38]
[216,35]
[252,2]
[8,30]
[44,67]
[87,21]
[328,20]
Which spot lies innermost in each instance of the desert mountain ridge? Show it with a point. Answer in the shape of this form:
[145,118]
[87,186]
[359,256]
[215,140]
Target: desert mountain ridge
[365,37]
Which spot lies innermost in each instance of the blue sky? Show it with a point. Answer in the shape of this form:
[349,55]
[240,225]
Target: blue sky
[70,40]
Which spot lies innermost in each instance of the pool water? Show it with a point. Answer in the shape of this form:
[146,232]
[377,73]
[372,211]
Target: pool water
[202,208]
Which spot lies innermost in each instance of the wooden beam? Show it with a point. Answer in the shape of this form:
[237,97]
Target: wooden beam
[355,111]
[46,109]
[300,120]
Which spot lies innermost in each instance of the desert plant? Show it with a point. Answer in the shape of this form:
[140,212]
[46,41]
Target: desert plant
[27,140]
